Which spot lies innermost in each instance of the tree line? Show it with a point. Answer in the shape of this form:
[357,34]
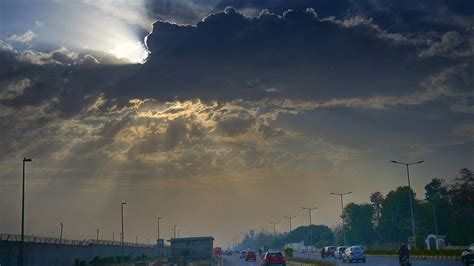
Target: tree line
[448,209]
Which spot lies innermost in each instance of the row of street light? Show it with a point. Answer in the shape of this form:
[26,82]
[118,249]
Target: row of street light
[341,195]
[122,236]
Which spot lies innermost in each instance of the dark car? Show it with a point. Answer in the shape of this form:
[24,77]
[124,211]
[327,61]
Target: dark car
[274,258]
[467,257]
[328,251]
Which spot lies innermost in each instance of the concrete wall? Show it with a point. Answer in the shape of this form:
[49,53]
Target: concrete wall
[41,254]
[192,249]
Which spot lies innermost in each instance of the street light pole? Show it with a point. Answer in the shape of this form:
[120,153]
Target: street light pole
[20,261]
[61,234]
[410,195]
[174,230]
[274,228]
[435,220]
[122,235]
[97,236]
[158,228]
[310,223]
[289,218]
[342,214]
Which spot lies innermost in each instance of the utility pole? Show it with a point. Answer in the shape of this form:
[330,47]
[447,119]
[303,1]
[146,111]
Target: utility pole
[342,215]
[435,220]
[113,238]
[158,228]
[122,235]
[410,195]
[174,230]
[20,260]
[61,233]
[310,223]
[97,236]
[274,228]
[289,218]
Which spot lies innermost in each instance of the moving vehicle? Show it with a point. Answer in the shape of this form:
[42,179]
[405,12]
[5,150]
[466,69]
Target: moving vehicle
[328,252]
[217,251]
[339,252]
[467,256]
[243,253]
[354,253]
[250,256]
[274,258]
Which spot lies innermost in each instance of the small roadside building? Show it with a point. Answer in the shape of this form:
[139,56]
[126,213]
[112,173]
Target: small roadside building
[194,249]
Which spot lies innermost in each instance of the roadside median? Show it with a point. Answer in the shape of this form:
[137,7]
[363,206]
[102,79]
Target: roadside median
[307,262]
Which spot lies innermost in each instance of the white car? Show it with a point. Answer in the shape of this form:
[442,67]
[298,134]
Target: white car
[339,252]
[354,253]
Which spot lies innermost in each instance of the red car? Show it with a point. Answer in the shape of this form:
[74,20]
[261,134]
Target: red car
[250,256]
[274,258]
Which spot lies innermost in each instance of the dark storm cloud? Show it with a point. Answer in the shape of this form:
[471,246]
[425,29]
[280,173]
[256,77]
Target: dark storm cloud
[394,16]
[229,56]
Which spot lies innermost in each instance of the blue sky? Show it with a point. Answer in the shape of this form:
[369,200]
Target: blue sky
[207,112]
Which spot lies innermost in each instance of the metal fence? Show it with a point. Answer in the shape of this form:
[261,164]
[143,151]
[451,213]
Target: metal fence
[52,240]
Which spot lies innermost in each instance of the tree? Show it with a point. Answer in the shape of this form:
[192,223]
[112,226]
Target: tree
[360,227]
[438,197]
[462,204]
[377,199]
[395,222]
[436,191]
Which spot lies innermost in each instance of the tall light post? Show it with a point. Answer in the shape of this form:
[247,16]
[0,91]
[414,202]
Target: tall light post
[97,236]
[310,223]
[61,233]
[113,238]
[122,235]
[274,228]
[289,218]
[158,228]
[342,213]
[410,195]
[174,230]
[435,220]
[434,215]
[20,260]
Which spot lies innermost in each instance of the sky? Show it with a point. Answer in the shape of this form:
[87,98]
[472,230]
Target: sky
[223,115]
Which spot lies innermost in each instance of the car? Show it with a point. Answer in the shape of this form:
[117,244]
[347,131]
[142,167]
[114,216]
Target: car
[250,256]
[339,252]
[467,256]
[243,253]
[328,252]
[274,258]
[354,253]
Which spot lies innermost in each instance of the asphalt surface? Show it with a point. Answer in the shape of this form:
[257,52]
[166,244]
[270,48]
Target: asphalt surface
[235,261]
[382,261]
[371,261]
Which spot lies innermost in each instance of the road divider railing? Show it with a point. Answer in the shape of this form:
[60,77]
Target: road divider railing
[447,254]
[52,240]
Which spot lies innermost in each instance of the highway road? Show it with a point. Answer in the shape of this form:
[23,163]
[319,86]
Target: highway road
[384,261]
[235,261]
[371,261]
